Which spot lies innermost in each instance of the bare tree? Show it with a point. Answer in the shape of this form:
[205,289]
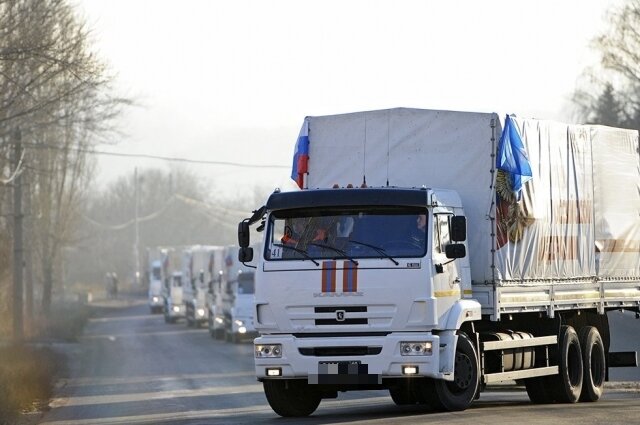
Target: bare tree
[56,91]
[609,93]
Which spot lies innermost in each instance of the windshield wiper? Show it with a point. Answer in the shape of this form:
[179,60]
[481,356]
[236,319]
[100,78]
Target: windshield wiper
[332,248]
[301,251]
[377,249]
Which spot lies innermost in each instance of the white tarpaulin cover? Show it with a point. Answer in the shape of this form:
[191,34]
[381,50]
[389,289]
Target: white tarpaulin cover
[576,218]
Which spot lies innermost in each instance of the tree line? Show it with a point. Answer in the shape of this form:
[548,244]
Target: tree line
[55,97]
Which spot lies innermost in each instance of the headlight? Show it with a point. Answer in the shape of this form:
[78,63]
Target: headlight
[239,323]
[176,309]
[155,299]
[219,320]
[415,348]
[201,312]
[242,330]
[268,351]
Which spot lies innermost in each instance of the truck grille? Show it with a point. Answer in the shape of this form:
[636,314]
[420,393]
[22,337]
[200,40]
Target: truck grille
[339,313]
[339,351]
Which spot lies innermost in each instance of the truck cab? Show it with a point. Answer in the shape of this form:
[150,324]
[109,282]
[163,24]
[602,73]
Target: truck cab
[173,304]
[194,267]
[154,295]
[362,288]
[237,298]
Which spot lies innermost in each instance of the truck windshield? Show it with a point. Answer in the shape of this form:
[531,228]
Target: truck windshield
[348,233]
[156,272]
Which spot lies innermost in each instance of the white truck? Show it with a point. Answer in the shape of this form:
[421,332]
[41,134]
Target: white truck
[215,283]
[196,278]
[465,255]
[237,297]
[154,276]
[172,284]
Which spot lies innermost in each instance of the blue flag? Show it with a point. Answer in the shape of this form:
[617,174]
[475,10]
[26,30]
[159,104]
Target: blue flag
[512,157]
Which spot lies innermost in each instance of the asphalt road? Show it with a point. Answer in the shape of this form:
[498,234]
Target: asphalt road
[132,368]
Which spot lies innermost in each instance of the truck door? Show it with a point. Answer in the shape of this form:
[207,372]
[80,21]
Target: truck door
[446,280]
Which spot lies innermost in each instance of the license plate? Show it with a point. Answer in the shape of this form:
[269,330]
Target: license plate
[344,373]
[342,368]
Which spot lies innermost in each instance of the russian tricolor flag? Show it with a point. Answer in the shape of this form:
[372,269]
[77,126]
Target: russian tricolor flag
[301,155]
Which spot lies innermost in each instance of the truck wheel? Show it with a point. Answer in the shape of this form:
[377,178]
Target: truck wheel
[538,391]
[405,394]
[458,395]
[219,333]
[567,385]
[212,331]
[593,360]
[291,398]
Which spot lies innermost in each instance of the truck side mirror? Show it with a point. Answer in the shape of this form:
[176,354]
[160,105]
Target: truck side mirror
[245,254]
[458,229]
[455,250]
[243,234]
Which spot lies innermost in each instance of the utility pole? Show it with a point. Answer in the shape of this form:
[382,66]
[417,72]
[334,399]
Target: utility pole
[136,250]
[18,250]
[28,254]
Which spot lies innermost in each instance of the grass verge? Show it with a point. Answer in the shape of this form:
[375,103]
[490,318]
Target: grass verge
[27,376]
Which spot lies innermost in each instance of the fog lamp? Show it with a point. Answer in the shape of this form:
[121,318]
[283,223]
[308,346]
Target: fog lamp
[274,371]
[409,370]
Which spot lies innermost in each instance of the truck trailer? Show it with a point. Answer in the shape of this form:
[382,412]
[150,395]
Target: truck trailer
[431,253]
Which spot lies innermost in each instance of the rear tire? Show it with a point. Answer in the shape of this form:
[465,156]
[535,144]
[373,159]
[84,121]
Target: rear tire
[538,391]
[567,385]
[291,398]
[457,395]
[593,360]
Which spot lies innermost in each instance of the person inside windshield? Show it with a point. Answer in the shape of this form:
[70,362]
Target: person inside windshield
[293,232]
[419,233]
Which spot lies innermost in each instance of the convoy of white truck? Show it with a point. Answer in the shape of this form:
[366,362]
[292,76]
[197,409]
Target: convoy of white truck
[202,285]
[431,253]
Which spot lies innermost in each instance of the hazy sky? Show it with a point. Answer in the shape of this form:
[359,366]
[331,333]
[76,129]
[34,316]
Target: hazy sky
[232,80]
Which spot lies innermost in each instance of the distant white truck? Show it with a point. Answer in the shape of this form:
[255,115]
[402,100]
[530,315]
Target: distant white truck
[154,275]
[238,297]
[214,294]
[196,278]
[172,285]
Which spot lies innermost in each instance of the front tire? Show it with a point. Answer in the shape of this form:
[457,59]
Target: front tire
[593,360]
[291,398]
[406,394]
[457,395]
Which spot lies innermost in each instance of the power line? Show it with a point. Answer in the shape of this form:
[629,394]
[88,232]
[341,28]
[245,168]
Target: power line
[149,156]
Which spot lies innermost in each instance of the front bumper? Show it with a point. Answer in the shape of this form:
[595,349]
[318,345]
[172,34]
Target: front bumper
[176,311]
[243,326]
[201,314]
[382,356]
